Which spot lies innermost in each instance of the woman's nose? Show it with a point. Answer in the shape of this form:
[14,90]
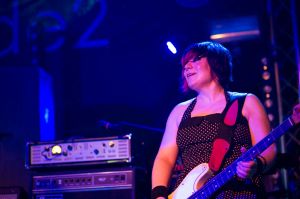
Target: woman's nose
[188,66]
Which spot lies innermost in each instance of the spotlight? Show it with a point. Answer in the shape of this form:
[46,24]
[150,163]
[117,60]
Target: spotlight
[264,61]
[268,103]
[266,75]
[267,89]
[271,117]
[171,47]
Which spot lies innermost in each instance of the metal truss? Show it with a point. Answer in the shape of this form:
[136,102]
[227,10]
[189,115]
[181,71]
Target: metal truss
[284,52]
[284,43]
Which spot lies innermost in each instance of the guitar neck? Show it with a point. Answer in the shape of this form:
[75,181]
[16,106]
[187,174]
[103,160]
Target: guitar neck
[224,176]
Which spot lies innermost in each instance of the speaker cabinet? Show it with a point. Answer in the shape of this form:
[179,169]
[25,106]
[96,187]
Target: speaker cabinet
[125,183]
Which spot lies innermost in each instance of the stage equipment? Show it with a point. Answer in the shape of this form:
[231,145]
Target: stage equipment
[78,152]
[125,183]
[12,193]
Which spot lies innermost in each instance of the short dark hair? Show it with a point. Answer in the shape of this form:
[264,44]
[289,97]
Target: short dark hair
[218,57]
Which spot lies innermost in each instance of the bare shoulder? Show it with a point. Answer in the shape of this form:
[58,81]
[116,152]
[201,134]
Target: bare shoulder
[185,104]
[252,105]
[181,107]
[252,100]
[179,110]
[173,122]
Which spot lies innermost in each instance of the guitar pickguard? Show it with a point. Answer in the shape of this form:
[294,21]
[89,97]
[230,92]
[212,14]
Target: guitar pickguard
[192,182]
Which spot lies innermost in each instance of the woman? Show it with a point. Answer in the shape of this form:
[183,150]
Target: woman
[193,125]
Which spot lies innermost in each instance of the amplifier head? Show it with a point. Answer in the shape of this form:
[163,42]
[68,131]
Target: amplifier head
[77,152]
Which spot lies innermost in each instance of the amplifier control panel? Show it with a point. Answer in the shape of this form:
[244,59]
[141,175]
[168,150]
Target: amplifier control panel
[79,151]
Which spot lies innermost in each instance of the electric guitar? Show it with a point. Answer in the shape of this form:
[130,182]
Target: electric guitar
[194,185]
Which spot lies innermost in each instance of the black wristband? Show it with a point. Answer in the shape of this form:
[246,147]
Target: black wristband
[159,191]
[261,165]
[264,161]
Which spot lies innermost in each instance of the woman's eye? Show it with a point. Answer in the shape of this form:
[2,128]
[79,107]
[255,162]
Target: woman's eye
[197,58]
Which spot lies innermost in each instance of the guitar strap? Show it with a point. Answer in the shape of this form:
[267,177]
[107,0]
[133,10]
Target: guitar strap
[222,142]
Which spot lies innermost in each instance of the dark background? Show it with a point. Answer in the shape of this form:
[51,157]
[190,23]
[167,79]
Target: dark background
[108,60]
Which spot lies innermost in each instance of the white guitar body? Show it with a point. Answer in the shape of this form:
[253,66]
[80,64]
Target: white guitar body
[192,182]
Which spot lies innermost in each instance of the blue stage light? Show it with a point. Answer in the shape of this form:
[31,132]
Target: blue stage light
[171,47]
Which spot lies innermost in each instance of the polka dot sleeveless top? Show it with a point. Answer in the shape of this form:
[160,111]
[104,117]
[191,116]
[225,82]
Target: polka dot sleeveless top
[194,139]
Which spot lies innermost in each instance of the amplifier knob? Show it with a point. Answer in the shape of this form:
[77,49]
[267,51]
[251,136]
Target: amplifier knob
[70,148]
[96,151]
[111,144]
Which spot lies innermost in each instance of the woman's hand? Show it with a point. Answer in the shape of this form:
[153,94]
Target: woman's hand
[246,169]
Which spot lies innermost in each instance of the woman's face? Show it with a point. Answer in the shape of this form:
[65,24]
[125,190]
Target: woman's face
[197,73]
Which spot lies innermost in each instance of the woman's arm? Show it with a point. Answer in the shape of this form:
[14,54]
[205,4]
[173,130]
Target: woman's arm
[167,154]
[259,126]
